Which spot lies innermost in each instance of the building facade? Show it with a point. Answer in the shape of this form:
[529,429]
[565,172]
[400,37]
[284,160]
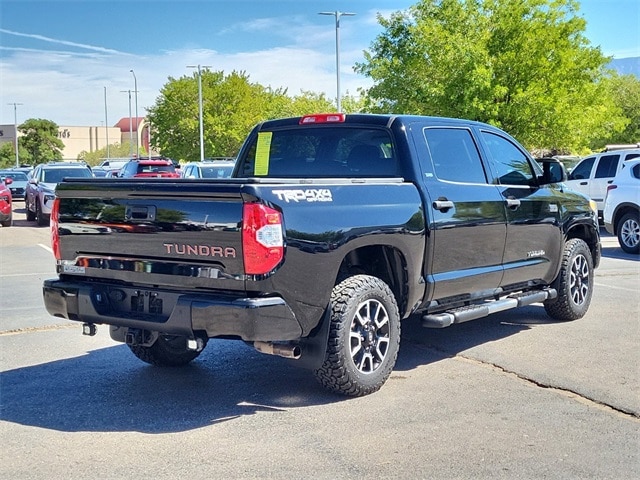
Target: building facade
[89,139]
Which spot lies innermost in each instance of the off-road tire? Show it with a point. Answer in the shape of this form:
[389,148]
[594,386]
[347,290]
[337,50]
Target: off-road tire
[629,232]
[574,283]
[364,337]
[166,351]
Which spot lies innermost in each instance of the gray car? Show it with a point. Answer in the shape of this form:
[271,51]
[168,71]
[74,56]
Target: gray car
[18,185]
[42,184]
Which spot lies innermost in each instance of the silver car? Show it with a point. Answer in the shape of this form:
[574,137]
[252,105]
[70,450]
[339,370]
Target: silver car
[42,184]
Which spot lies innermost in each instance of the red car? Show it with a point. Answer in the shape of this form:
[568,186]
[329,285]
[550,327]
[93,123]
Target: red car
[153,168]
[6,212]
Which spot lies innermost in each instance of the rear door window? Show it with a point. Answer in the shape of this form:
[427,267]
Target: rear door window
[607,166]
[454,155]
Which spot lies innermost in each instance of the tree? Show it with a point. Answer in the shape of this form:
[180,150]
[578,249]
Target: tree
[231,106]
[8,155]
[40,140]
[116,150]
[522,65]
[624,90]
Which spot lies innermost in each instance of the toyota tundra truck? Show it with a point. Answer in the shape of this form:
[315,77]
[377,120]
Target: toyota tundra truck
[332,230]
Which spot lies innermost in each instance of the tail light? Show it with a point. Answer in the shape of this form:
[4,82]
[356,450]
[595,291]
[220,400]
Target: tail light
[262,239]
[55,235]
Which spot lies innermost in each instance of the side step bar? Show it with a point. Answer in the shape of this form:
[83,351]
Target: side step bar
[472,312]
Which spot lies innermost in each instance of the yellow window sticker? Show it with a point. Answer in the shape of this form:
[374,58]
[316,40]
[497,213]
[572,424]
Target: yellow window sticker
[261,166]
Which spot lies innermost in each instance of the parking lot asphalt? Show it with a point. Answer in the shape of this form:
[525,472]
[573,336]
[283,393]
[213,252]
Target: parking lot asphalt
[511,396]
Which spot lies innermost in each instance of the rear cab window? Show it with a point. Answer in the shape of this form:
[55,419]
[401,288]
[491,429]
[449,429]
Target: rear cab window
[320,152]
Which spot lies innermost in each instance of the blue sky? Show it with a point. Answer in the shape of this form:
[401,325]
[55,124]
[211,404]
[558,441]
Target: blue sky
[56,57]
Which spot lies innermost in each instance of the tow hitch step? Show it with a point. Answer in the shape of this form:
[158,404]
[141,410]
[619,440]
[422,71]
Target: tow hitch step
[472,312]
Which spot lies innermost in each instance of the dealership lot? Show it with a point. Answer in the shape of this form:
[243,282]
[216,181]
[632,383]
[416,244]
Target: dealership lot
[511,396]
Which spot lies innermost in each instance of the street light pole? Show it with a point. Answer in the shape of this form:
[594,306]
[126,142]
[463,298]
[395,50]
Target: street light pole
[106,122]
[130,124]
[338,14]
[135,89]
[200,67]
[15,124]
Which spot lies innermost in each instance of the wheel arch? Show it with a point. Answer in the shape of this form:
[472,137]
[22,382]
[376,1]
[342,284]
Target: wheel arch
[385,262]
[622,210]
[591,237]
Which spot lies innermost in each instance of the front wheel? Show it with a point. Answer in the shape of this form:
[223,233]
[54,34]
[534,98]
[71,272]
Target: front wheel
[43,220]
[629,232]
[31,216]
[364,337]
[166,351]
[574,283]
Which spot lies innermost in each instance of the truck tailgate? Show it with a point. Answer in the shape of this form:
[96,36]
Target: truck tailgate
[156,232]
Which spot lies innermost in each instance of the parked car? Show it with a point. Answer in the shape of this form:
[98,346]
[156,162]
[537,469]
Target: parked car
[622,207]
[6,206]
[40,190]
[209,169]
[19,182]
[145,168]
[592,175]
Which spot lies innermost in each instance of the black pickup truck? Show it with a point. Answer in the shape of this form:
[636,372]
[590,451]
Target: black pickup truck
[332,229]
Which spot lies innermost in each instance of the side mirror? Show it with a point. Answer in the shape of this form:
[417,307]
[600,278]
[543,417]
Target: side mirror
[8,180]
[553,171]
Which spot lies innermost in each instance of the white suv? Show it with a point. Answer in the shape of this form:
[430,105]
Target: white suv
[594,173]
[622,207]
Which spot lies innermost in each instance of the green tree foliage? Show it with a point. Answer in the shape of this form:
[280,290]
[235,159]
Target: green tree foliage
[624,91]
[522,65]
[116,150]
[231,106]
[40,140]
[8,155]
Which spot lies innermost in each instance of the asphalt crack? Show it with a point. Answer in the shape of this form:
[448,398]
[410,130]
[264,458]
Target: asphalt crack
[567,392]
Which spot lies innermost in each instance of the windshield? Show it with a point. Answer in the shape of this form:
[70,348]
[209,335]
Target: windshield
[221,171]
[15,176]
[317,152]
[56,175]
[156,168]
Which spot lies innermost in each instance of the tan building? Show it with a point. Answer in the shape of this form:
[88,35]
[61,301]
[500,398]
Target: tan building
[90,139]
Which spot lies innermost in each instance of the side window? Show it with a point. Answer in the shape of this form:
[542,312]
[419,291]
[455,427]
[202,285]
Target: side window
[454,155]
[631,156]
[510,163]
[607,166]
[583,169]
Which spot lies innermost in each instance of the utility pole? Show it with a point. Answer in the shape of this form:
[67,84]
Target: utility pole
[15,124]
[338,14]
[200,67]
[130,124]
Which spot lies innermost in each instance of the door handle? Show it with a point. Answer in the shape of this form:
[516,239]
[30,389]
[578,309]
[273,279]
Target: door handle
[442,204]
[513,203]
[584,183]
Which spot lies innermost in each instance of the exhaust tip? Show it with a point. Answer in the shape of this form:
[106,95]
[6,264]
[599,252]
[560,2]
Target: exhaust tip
[286,350]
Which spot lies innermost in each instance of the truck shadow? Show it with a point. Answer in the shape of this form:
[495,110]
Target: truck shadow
[109,390]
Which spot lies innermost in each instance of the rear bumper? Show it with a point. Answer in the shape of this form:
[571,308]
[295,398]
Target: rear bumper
[251,319]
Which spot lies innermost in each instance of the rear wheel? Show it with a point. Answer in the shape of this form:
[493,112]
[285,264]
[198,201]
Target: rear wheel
[629,232]
[574,283]
[364,337]
[8,222]
[166,351]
